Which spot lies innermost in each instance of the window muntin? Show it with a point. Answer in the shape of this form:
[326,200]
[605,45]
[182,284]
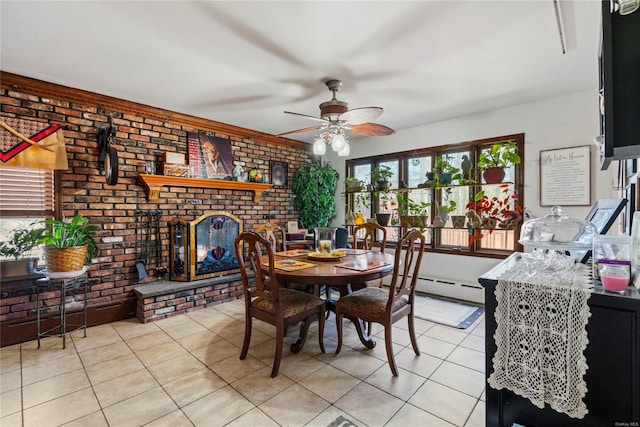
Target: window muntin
[26,197]
[497,244]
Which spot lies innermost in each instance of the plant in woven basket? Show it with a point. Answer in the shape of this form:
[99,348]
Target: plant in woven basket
[78,234]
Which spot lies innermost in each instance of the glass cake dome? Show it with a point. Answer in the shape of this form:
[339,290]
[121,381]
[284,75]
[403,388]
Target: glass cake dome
[557,231]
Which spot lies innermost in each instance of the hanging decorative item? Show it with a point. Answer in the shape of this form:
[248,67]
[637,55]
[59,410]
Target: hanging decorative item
[32,144]
[415,161]
[108,161]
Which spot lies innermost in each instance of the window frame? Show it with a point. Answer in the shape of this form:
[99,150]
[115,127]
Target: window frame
[474,147]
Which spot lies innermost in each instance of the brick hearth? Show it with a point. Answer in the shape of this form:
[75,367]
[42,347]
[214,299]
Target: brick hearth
[169,298]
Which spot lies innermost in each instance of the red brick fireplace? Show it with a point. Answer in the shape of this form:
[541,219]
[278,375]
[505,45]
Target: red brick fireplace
[143,133]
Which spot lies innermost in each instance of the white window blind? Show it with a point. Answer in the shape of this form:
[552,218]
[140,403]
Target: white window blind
[26,192]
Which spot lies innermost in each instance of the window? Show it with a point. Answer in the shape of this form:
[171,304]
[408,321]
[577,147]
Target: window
[410,169]
[26,195]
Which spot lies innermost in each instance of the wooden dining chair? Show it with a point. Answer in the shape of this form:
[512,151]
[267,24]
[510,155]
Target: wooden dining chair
[265,300]
[369,238]
[268,230]
[368,243]
[387,306]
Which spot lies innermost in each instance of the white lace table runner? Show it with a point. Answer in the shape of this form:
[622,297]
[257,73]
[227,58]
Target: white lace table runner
[541,337]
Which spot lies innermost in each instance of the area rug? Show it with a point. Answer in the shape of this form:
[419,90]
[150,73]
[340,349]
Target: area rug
[449,313]
[342,422]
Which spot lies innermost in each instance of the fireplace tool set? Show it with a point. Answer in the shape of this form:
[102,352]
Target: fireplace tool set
[148,243]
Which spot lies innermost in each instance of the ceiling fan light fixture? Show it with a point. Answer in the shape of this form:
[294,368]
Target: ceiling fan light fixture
[319,147]
[338,142]
[345,151]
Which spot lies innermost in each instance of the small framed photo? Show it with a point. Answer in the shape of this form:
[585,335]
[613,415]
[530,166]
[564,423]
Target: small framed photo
[292,227]
[278,173]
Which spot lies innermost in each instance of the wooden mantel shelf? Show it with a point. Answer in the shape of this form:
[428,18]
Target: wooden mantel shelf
[153,185]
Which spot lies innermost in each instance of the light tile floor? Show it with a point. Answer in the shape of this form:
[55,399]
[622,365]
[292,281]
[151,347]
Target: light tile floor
[185,371]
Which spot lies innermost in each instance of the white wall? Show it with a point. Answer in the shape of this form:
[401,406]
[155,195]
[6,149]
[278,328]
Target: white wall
[565,121]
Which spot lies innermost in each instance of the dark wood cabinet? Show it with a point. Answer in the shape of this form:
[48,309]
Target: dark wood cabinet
[619,85]
[613,359]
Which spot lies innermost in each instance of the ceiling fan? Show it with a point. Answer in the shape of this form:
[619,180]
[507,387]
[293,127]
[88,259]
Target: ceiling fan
[336,120]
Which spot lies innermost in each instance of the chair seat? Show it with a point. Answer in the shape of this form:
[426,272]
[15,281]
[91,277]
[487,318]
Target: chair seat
[293,302]
[372,301]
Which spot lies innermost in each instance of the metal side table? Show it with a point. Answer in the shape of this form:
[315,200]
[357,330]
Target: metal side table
[66,288]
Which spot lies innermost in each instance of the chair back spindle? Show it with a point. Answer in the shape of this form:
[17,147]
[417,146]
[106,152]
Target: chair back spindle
[412,247]
[369,238]
[250,246]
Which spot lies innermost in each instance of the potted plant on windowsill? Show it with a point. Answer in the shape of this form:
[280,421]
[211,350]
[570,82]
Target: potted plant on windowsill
[489,212]
[381,178]
[443,171]
[353,184]
[19,248]
[386,203]
[69,245]
[493,161]
[412,213]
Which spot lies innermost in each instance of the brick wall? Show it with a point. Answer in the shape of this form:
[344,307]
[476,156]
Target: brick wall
[139,138]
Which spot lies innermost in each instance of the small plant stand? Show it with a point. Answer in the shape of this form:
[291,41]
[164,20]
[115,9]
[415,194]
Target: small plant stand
[66,287]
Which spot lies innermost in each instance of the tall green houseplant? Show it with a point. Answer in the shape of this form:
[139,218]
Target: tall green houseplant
[314,185]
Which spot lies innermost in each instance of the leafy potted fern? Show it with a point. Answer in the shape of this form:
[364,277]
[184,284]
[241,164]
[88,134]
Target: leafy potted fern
[19,248]
[493,161]
[69,245]
[381,178]
[314,186]
[353,184]
[443,171]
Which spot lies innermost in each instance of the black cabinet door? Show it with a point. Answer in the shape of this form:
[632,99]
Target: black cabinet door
[620,84]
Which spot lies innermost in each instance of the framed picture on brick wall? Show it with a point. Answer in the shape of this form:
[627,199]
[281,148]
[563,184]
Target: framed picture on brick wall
[278,173]
[210,155]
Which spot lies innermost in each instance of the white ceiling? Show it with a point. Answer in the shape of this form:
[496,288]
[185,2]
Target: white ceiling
[244,63]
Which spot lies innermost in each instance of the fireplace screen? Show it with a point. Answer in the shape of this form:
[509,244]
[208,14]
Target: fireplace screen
[204,247]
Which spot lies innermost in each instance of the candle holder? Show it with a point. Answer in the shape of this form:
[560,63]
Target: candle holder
[325,240]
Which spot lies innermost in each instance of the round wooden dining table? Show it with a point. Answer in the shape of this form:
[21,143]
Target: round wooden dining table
[331,273]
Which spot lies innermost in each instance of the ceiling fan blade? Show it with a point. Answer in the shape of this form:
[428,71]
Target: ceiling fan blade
[300,131]
[317,119]
[372,129]
[358,116]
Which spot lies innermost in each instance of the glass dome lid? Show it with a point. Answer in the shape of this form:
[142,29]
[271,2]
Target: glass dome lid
[557,231]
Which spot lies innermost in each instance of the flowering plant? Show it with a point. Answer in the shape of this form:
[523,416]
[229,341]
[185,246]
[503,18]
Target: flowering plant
[503,210]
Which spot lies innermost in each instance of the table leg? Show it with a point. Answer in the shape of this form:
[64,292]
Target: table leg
[365,339]
[302,337]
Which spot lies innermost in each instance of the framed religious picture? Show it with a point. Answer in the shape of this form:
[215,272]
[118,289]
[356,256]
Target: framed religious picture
[278,173]
[209,155]
[565,176]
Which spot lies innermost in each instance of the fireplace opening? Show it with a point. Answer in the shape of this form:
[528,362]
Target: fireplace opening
[204,247]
